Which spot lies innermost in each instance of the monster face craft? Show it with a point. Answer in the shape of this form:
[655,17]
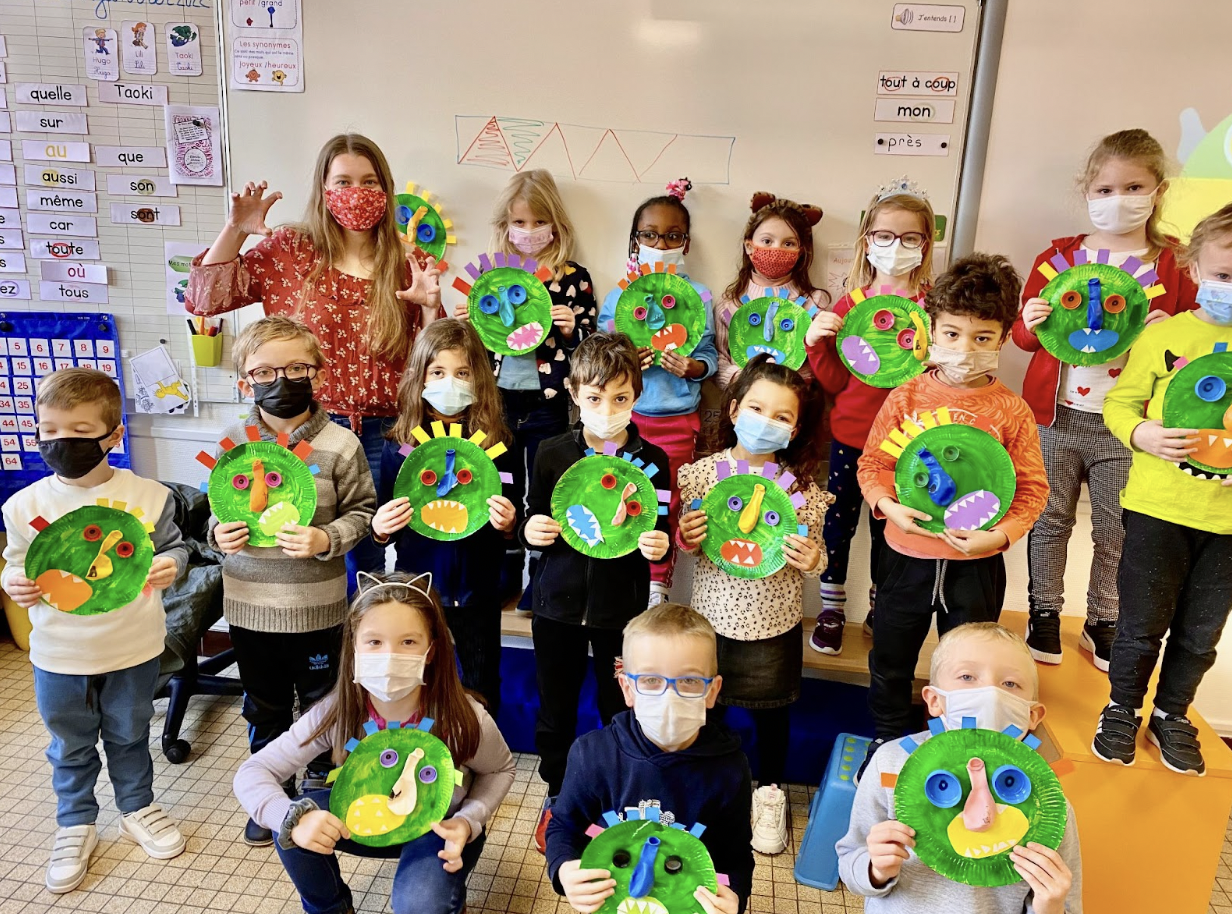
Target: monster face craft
[747,515]
[420,221]
[93,559]
[605,502]
[659,309]
[1200,396]
[394,784]
[884,339]
[448,480]
[774,325]
[1098,310]
[508,305]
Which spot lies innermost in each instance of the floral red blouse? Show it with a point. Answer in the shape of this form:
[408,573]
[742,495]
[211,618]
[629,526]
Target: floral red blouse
[357,383]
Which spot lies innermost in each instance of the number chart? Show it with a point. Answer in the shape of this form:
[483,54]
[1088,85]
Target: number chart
[34,344]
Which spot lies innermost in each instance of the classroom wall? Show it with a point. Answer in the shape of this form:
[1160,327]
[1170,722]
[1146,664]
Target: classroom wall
[1071,73]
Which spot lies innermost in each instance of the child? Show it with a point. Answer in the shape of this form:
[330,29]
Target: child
[1175,575]
[397,666]
[893,248]
[988,671]
[666,755]
[285,604]
[778,252]
[959,574]
[1124,186]
[759,621]
[447,380]
[94,675]
[581,601]
[668,412]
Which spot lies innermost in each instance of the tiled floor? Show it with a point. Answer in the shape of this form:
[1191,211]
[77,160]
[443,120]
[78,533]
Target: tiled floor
[219,873]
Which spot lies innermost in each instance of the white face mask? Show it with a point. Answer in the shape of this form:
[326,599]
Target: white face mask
[668,720]
[389,677]
[895,260]
[993,708]
[651,256]
[964,367]
[1119,215]
[449,396]
[604,426]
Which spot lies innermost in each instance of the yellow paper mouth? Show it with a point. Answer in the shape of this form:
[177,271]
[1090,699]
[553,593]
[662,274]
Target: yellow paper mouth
[370,815]
[1006,831]
[445,515]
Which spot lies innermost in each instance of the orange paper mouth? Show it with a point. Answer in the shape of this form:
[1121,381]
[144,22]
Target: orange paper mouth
[1214,448]
[741,552]
[62,590]
[673,336]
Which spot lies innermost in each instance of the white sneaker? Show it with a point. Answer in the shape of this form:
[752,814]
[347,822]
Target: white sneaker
[70,857]
[154,830]
[769,820]
[658,594]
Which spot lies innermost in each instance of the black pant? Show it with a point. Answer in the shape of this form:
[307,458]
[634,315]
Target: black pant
[909,591]
[1177,581]
[560,669]
[773,726]
[275,668]
[476,634]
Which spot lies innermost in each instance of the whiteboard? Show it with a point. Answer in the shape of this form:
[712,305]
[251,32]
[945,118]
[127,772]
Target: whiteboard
[615,98]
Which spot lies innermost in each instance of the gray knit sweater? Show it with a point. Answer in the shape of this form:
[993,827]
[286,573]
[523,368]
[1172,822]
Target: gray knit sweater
[266,591]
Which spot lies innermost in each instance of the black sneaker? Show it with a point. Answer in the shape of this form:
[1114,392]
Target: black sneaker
[1177,740]
[1116,735]
[868,757]
[1044,637]
[256,835]
[1097,638]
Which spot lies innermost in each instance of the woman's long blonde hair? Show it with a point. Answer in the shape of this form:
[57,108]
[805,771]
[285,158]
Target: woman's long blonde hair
[390,326]
[486,414]
[862,271]
[537,189]
[1141,148]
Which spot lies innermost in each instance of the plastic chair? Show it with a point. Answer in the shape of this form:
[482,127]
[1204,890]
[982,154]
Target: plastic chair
[830,814]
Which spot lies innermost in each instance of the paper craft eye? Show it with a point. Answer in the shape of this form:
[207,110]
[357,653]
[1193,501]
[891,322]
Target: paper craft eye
[787,325]
[1210,388]
[489,304]
[273,480]
[124,549]
[389,758]
[639,313]
[754,319]
[426,233]
[464,476]
[240,482]
[92,533]
[1011,784]
[608,481]
[516,294]
[1114,304]
[906,338]
[884,319]
[634,508]
[673,865]
[668,301]
[403,214]
[1071,299]
[427,774]
[943,789]
[735,503]
[771,518]
[427,477]
[621,859]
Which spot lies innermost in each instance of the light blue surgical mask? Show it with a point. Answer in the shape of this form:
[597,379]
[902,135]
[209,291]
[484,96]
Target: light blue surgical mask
[1216,300]
[758,434]
[449,396]
[650,256]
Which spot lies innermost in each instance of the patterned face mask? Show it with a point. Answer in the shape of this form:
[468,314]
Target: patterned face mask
[356,208]
[773,263]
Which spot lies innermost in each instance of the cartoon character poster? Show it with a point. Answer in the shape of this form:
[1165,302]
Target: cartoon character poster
[138,47]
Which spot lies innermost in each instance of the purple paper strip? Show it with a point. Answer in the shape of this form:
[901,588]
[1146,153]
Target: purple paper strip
[406,449]
[1059,261]
[506,478]
[787,479]
[770,470]
[485,264]
[530,266]
[1149,278]
[706,295]
[1101,256]
[1080,256]
[742,466]
[513,260]
[722,469]
[1131,265]
[797,500]
[473,270]
[499,259]
[664,494]
[609,447]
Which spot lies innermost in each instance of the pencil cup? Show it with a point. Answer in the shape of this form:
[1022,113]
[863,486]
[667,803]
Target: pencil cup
[207,350]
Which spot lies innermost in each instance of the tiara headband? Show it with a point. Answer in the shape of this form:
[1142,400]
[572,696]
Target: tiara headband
[368,582]
[902,186]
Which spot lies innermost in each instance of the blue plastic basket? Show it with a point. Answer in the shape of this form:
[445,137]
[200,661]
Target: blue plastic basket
[830,814]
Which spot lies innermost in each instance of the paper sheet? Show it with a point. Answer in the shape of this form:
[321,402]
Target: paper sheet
[177,256]
[159,387]
[194,146]
[267,45]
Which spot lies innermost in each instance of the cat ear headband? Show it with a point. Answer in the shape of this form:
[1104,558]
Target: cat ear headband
[368,582]
[762,199]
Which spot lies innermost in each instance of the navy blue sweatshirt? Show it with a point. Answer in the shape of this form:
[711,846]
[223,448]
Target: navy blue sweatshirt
[618,767]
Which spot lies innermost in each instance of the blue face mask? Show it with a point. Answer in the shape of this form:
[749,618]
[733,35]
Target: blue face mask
[449,396]
[759,435]
[1216,300]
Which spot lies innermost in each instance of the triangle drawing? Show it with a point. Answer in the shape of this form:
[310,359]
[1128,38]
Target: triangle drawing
[522,136]
[609,162]
[488,148]
[552,154]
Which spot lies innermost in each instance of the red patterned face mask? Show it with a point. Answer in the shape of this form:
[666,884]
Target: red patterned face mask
[773,263]
[356,208]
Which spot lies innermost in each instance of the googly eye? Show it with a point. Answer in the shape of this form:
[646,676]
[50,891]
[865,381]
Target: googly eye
[1210,388]
[124,549]
[943,789]
[634,508]
[240,481]
[735,503]
[427,774]
[427,477]
[673,865]
[906,338]
[884,319]
[771,518]
[1071,299]
[92,533]
[754,319]
[608,481]
[389,758]
[621,859]
[489,304]
[1011,784]
[516,294]
[426,233]
[464,476]
[639,313]
[273,479]
[1114,304]
[787,325]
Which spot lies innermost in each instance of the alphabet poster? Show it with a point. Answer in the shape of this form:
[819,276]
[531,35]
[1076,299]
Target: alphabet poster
[267,45]
[194,148]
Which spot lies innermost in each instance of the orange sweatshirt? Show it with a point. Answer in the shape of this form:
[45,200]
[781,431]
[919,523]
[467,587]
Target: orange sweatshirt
[1000,410]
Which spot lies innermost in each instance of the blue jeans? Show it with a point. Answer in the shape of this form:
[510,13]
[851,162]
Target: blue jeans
[76,711]
[421,884]
[366,555]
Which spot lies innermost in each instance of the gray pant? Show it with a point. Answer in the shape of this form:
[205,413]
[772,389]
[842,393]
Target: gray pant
[1079,447]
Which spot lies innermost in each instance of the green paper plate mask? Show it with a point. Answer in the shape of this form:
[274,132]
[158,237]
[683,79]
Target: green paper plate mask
[93,559]
[774,324]
[960,475]
[662,310]
[884,338]
[972,795]
[657,867]
[1200,396]
[1098,310]
[448,480]
[420,221]
[748,513]
[262,483]
[605,502]
[394,784]
[508,303]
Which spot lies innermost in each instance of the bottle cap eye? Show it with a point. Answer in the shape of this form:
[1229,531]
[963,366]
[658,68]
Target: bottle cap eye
[516,294]
[608,481]
[426,233]
[1011,784]
[771,518]
[427,477]
[1071,299]
[906,338]
[464,476]
[273,480]
[634,508]
[884,319]
[735,503]
[240,481]
[124,549]
[668,301]
[489,304]
[1210,388]
[639,313]
[92,533]
[427,774]
[389,758]
[673,865]
[1114,304]
[943,789]
[754,319]
[787,325]
[621,859]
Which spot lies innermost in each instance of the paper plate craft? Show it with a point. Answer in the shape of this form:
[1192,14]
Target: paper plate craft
[747,515]
[773,325]
[93,559]
[960,475]
[1200,396]
[657,866]
[262,483]
[660,309]
[606,501]
[508,303]
[972,795]
[420,221]
[884,338]
[449,480]
[394,784]
[1098,310]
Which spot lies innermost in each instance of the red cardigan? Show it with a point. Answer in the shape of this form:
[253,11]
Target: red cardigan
[1039,387]
[855,403]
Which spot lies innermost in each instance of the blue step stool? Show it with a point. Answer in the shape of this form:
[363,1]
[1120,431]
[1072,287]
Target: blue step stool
[829,814]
